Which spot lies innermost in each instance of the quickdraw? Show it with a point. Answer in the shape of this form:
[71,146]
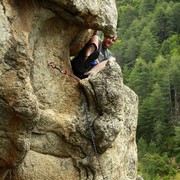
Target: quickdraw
[62,71]
[53,65]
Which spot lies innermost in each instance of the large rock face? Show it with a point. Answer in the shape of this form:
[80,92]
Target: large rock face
[45,115]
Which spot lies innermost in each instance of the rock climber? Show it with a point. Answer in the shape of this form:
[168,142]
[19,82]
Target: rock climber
[93,56]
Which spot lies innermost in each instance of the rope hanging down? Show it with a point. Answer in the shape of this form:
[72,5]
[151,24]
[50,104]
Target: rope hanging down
[92,136]
[53,65]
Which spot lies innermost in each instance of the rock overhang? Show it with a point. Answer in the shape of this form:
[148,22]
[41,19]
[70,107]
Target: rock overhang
[97,15]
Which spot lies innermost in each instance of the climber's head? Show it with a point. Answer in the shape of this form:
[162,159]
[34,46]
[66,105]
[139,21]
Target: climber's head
[109,41]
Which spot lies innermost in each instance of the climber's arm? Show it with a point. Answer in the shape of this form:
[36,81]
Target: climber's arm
[93,46]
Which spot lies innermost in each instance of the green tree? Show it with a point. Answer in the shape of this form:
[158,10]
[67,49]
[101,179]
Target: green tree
[177,143]
[154,109]
[126,16]
[147,6]
[171,45]
[140,78]
[150,52]
[145,120]
[135,28]
[164,24]
[159,111]
[153,117]
[131,52]
[161,74]
[176,15]
[175,85]
[142,148]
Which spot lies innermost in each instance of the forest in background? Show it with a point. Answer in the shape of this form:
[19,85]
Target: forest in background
[148,51]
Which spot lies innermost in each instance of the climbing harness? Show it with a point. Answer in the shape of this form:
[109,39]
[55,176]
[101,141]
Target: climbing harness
[53,65]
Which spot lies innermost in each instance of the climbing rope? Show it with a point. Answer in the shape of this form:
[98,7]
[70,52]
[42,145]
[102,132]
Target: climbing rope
[53,65]
[92,137]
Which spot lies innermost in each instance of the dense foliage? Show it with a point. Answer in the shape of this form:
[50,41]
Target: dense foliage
[148,51]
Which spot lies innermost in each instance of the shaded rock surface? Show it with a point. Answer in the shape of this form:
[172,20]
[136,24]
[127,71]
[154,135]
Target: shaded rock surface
[44,131]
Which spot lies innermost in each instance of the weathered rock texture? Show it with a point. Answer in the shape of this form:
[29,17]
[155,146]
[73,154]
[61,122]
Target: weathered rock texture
[43,129]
